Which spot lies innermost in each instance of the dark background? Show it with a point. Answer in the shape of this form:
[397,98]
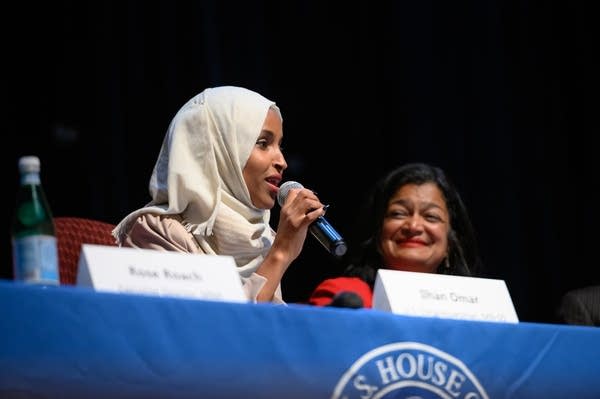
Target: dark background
[500,94]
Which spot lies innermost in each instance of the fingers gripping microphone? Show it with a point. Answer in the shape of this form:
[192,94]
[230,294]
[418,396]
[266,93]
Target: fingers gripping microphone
[320,228]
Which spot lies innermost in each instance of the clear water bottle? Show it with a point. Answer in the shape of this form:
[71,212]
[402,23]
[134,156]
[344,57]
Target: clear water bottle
[35,254]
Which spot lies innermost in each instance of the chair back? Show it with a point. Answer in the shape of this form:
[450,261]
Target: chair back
[71,232]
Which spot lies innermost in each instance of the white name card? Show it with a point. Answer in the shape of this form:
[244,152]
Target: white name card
[446,296]
[162,273]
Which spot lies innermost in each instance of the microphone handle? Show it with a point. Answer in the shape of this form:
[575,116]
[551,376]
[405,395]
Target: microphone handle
[328,237]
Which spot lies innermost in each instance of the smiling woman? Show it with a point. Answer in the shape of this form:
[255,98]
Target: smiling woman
[213,185]
[415,228]
[413,220]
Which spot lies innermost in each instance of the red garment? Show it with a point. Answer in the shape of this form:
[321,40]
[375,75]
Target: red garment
[325,291]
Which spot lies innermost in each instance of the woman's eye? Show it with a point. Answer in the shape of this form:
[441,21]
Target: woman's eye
[262,143]
[433,218]
[397,214]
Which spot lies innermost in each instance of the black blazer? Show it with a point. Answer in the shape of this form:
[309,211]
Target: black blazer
[580,306]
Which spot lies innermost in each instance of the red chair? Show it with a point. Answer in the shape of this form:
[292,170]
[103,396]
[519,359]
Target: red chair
[71,232]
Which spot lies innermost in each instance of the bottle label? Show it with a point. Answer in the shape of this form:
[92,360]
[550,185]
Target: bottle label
[35,259]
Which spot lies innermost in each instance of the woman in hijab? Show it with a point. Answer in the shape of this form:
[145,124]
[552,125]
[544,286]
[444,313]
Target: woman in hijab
[215,180]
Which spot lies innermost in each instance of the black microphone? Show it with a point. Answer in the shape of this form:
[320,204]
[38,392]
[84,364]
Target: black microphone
[320,228]
[346,299]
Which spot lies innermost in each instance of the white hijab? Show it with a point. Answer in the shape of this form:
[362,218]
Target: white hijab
[198,175]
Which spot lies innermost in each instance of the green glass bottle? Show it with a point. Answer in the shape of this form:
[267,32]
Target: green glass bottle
[35,254]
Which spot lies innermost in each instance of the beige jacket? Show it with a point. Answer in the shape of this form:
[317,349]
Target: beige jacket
[167,233]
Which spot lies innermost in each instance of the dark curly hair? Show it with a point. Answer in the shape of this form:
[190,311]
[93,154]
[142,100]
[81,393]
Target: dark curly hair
[364,257]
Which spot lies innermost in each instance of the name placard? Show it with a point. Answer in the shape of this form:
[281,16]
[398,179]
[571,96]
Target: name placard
[446,296]
[162,273]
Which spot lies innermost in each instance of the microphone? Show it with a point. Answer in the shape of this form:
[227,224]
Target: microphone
[320,228]
[346,299]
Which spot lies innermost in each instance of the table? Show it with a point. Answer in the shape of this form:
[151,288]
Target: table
[68,341]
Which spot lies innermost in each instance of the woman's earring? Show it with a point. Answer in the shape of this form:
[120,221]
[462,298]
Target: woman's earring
[447,263]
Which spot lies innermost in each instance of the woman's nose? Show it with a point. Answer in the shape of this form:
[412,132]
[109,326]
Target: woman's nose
[279,162]
[414,224]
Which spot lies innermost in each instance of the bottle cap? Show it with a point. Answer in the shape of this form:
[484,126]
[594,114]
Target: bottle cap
[29,163]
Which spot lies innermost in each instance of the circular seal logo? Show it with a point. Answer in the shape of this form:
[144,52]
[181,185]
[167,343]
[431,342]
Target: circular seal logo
[408,370]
